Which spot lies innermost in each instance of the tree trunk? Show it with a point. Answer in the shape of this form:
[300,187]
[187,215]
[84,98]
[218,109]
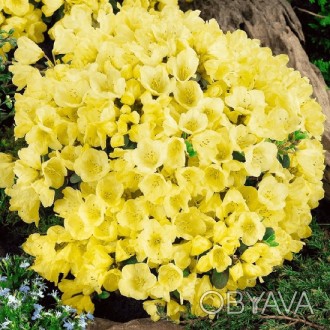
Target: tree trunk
[276,25]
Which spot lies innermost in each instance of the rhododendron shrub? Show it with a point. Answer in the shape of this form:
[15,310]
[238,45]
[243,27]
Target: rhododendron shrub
[180,158]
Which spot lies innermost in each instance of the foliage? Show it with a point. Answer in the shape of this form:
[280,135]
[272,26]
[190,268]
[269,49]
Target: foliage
[6,88]
[22,293]
[315,18]
[177,162]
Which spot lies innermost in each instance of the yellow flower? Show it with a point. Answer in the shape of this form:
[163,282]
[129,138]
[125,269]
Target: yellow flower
[154,187]
[313,117]
[155,80]
[92,211]
[272,193]
[205,144]
[45,194]
[215,178]
[125,248]
[176,156]
[7,170]
[193,121]
[107,231]
[25,200]
[184,66]
[136,281]
[251,227]
[213,109]
[133,215]
[219,259]
[187,288]
[177,199]
[110,189]
[16,7]
[170,276]
[149,155]
[111,279]
[181,254]
[54,172]
[70,202]
[242,137]
[310,159]
[70,93]
[69,154]
[50,6]
[236,271]
[232,202]
[77,228]
[156,241]
[188,93]
[174,311]
[82,303]
[152,306]
[42,138]
[27,51]
[245,101]
[22,73]
[203,285]
[190,224]
[260,158]
[199,245]
[190,178]
[92,165]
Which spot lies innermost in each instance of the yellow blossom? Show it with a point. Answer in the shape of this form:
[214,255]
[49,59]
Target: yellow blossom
[193,121]
[188,93]
[155,79]
[260,157]
[184,66]
[7,170]
[136,281]
[156,241]
[149,155]
[54,172]
[170,276]
[110,189]
[272,193]
[154,187]
[91,165]
[27,51]
[16,7]
[251,227]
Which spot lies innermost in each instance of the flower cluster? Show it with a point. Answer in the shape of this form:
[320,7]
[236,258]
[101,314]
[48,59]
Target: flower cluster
[181,159]
[21,292]
[34,18]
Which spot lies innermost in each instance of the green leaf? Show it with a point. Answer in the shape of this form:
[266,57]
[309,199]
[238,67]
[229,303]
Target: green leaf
[269,232]
[269,237]
[299,135]
[190,149]
[219,280]
[176,294]
[186,272]
[104,295]
[74,178]
[285,161]
[128,144]
[130,261]
[242,248]
[272,244]
[239,156]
